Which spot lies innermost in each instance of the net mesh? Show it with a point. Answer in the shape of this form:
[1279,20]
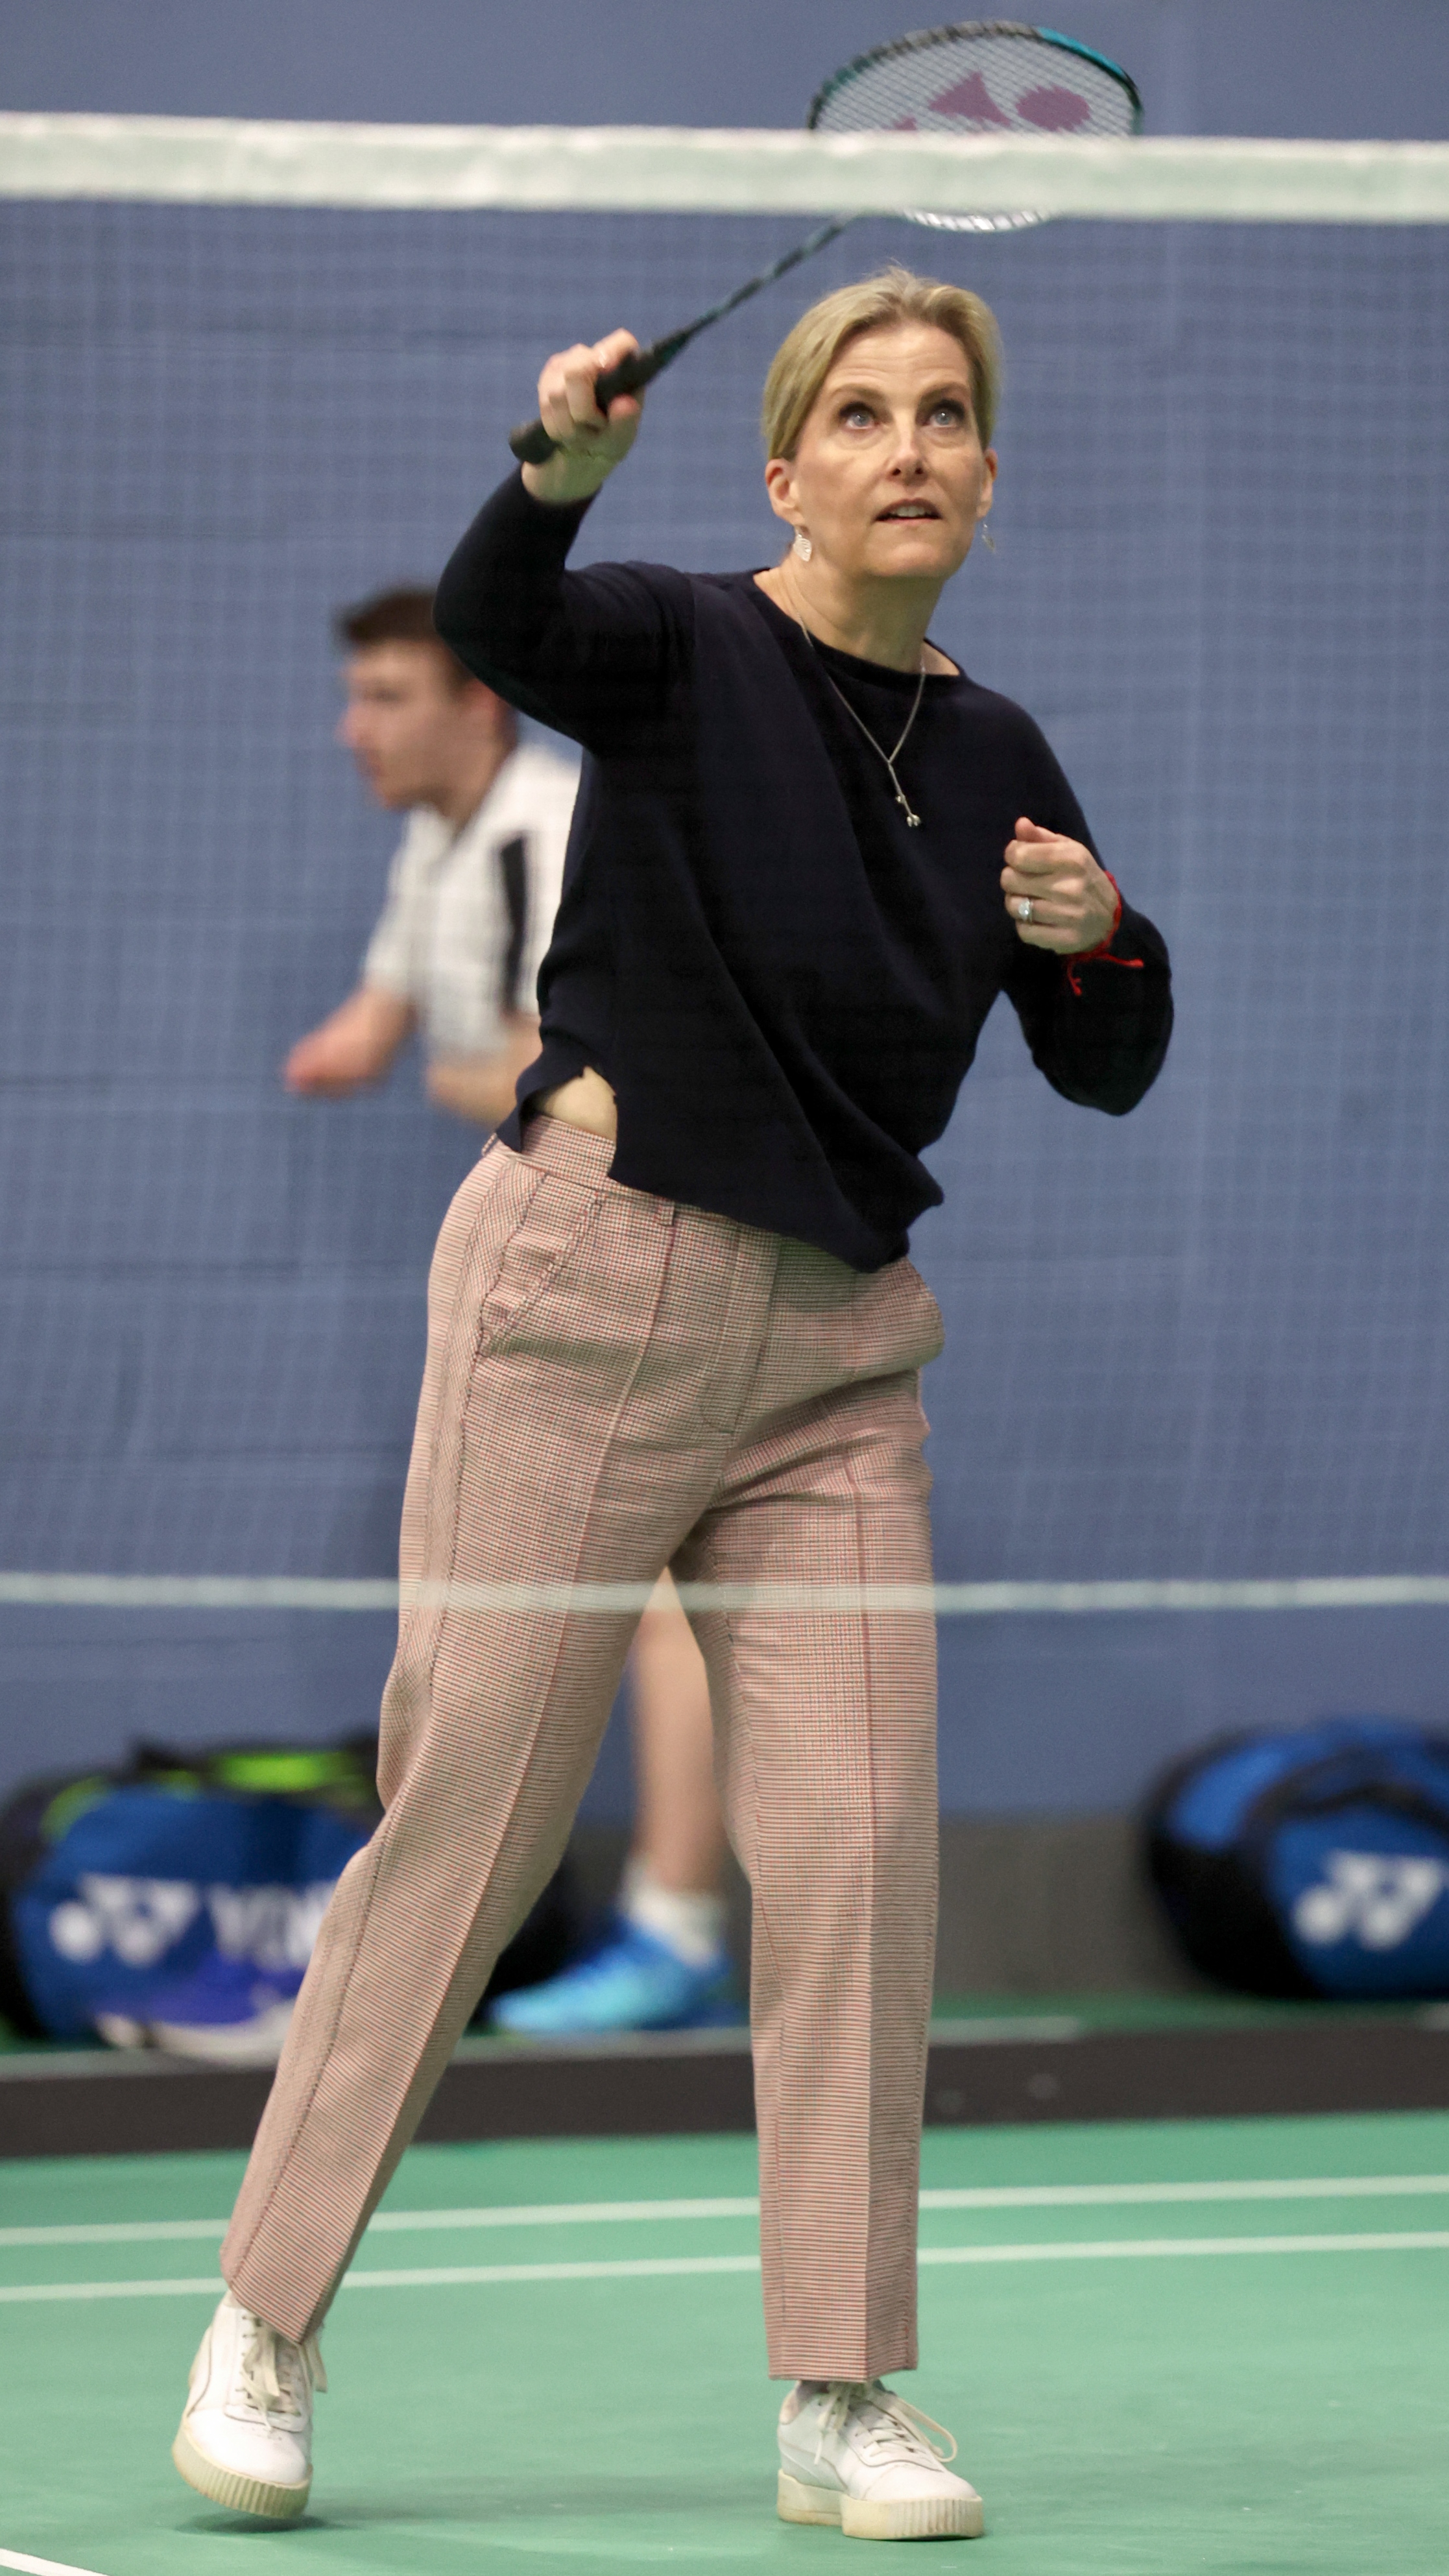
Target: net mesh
[1203,1342]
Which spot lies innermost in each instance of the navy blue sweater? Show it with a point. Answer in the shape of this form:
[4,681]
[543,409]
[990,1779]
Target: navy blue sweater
[781,981]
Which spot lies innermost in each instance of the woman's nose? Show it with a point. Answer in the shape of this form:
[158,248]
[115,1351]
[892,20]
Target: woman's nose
[908,458]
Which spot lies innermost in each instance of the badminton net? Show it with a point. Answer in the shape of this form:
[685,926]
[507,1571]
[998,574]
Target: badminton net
[259,371]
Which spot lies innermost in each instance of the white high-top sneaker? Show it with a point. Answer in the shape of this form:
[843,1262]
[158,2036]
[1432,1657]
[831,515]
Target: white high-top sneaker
[246,2434]
[859,2455]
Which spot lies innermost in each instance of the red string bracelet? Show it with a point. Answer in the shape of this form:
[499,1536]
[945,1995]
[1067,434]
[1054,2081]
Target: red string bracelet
[1085,956]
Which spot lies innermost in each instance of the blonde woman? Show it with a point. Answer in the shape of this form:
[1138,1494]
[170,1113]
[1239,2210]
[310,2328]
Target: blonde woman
[672,1322]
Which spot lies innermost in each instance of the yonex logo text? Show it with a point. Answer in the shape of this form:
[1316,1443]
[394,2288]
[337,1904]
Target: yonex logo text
[1375,1897]
[140,1919]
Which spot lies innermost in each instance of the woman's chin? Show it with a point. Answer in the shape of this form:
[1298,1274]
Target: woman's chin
[913,557]
[914,545]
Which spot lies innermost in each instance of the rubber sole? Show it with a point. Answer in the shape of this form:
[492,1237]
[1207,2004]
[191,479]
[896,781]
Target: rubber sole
[915,2518]
[226,2486]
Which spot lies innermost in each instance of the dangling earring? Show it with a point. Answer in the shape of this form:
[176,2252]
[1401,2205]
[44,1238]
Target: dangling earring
[802,546]
[987,539]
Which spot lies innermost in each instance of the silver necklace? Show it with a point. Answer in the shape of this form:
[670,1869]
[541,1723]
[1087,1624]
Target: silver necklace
[889,757]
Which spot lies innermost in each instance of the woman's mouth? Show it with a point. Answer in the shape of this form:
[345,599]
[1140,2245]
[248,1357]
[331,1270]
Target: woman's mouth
[911,510]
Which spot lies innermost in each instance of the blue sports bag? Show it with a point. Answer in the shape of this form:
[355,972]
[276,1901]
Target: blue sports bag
[132,1893]
[1314,1862]
[182,1892]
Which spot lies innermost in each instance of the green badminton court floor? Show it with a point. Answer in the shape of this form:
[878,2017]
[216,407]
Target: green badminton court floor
[1213,2345]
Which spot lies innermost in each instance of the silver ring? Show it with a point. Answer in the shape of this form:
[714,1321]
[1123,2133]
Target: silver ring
[1023,907]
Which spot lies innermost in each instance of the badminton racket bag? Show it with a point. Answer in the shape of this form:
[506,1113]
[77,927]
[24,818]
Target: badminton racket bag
[175,1901]
[1314,1862]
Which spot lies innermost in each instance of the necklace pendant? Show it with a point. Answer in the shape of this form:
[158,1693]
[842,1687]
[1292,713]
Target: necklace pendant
[889,757]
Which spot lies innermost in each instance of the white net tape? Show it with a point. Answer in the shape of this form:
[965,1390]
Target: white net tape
[837,1600]
[232,161]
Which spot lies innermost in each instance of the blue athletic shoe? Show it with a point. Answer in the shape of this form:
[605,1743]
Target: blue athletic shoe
[628,1981]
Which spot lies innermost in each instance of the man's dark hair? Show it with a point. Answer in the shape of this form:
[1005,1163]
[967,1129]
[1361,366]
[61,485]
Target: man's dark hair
[400,616]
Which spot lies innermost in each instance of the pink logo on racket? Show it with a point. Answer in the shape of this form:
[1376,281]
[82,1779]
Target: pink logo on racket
[969,102]
[1056,111]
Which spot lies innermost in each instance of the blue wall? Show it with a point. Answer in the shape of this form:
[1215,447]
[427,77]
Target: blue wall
[1205,1340]
[1339,67]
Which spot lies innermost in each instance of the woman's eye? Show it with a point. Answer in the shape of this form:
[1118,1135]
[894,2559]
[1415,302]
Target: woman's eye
[856,416]
[948,415]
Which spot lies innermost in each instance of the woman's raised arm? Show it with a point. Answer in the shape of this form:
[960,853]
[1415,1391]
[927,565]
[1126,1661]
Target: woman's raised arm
[591,653]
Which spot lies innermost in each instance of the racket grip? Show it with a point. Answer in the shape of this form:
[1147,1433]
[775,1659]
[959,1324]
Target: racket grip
[531,443]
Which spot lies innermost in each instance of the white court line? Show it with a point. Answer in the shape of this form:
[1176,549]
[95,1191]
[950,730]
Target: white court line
[156,2231]
[1127,2195]
[34,2293]
[39,2566]
[659,2267]
[1106,2249]
[648,2267]
[547,2213]
[596,2213]
[947,1600]
[1103,2249]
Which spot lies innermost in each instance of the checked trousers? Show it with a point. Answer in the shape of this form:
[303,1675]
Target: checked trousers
[614,1384]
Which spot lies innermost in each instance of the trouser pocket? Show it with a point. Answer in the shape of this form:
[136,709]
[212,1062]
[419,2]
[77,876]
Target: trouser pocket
[554,1221]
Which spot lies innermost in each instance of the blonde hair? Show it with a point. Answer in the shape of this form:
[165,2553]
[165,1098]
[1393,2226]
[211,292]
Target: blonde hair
[894,295]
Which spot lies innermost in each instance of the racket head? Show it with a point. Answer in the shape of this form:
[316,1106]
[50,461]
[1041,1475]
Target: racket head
[981,76]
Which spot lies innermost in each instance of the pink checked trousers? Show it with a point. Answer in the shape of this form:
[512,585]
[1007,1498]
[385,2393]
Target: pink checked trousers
[614,1384]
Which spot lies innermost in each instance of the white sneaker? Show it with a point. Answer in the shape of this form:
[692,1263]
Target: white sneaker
[246,2434]
[860,2456]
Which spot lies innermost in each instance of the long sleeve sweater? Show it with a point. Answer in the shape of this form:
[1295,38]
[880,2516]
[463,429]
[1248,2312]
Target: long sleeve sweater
[782,981]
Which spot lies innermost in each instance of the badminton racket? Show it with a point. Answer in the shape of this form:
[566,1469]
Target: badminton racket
[987,78]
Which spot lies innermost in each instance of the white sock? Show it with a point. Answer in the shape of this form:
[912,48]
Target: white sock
[690,1925]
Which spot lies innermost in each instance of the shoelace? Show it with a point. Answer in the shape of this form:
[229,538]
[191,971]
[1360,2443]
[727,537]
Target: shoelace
[900,2438]
[275,2372]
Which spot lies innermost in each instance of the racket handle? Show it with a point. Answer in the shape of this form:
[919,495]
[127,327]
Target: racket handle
[531,443]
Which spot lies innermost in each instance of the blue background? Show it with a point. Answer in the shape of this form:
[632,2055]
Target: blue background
[1203,1341]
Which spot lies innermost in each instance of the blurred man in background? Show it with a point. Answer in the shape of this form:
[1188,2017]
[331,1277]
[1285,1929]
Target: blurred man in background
[455,956]
[474,885]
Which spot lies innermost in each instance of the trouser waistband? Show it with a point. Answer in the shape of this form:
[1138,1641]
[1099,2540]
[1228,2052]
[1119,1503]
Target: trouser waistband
[575,1153]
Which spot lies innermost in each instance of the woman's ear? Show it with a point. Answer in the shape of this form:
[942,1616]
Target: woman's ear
[780,485]
[988,486]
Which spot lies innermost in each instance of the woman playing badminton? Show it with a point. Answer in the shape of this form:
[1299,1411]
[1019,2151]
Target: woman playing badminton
[672,1323]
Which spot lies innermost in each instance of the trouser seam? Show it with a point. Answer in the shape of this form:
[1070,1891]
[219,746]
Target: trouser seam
[759,1909]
